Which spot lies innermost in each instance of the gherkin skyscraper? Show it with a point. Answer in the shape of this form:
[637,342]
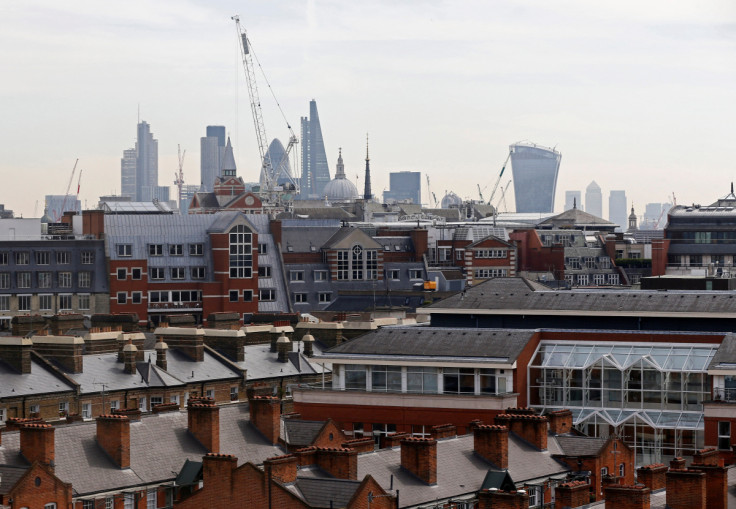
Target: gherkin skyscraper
[315,170]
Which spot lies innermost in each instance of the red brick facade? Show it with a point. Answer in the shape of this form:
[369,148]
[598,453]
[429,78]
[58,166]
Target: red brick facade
[419,456]
[627,497]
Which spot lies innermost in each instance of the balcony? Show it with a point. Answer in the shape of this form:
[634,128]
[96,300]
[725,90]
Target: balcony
[174,306]
[726,394]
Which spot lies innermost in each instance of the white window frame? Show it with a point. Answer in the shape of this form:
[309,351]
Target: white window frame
[125,250]
[296,276]
[325,297]
[320,275]
[65,306]
[86,410]
[45,306]
[122,298]
[300,298]
[24,297]
[85,301]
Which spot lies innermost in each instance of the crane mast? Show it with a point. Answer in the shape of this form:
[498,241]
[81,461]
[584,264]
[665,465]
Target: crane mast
[68,188]
[179,176]
[495,187]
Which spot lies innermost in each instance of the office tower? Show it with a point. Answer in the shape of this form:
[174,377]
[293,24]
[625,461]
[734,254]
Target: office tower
[404,185]
[57,204]
[572,199]
[187,193]
[617,209]
[146,174]
[535,171]
[212,149]
[280,166]
[315,170]
[367,194]
[594,200]
[127,173]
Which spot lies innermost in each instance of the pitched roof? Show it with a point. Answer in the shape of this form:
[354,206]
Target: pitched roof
[9,476]
[580,446]
[298,432]
[344,238]
[576,218]
[326,492]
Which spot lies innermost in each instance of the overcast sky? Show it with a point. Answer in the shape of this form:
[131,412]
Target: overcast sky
[639,96]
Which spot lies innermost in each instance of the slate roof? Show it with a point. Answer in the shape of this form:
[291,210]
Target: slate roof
[436,342]
[298,432]
[261,363]
[41,380]
[325,492]
[522,294]
[579,446]
[459,470]
[159,446]
[576,218]
[317,213]
[725,357]
[301,239]
[9,476]
[344,238]
[364,302]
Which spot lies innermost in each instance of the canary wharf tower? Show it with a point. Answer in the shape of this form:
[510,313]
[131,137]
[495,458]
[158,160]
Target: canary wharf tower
[535,171]
[315,170]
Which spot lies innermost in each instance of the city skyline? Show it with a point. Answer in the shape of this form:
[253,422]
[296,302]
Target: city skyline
[629,93]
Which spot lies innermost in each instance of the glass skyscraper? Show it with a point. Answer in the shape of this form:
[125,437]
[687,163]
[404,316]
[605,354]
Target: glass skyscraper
[535,171]
[315,170]
[404,185]
[212,150]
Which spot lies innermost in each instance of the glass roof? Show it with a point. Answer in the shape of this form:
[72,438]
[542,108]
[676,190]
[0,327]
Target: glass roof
[663,357]
[654,418]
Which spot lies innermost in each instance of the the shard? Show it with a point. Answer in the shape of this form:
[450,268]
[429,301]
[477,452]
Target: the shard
[315,170]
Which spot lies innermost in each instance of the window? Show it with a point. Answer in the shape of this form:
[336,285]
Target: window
[88,504]
[622,470]
[604,262]
[393,274]
[84,279]
[44,302]
[613,279]
[122,297]
[263,249]
[174,398]
[604,471]
[176,250]
[24,302]
[157,272]
[196,249]
[156,400]
[3,258]
[234,295]
[136,273]
[2,416]
[460,254]
[357,262]
[155,250]
[210,393]
[198,272]
[4,280]
[23,279]
[22,258]
[136,297]
[63,258]
[177,273]
[268,294]
[125,249]
[582,279]
[109,503]
[724,435]
[247,295]
[296,275]
[458,380]
[88,257]
[325,297]
[51,505]
[63,407]
[487,381]
[65,302]
[129,501]
[386,378]
[342,265]
[4,302]
[589,262]
[234,393]
[142,404]
[491,253]
[151,499]
[44,279]
[86,410]
[42,257]
[83,301]
[300,298]
[532,490]
[241,255]
[65,279]
[489,273]
[573,263]
[599,279]
[114,405]
[320,275]
[264,271]
[415,273]
[355,376]
[636,255]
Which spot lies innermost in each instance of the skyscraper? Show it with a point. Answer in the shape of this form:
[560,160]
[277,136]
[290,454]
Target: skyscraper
[594,200]
[212,149]
[535,171]
[404,185]
[146,173]
[127,173]
[280,166]
[315,170]
[573,199]
[617,209]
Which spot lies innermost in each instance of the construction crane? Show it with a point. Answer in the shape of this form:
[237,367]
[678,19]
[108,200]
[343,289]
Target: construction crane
[68,188]
[429,191]
[269,176]
[435,199]
[480,194]
[179,177]
[503,197]
[498,180]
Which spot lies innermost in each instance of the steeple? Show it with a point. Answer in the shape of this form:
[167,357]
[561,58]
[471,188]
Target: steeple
[632,220]
[367,195]
[228,162]
[340,171]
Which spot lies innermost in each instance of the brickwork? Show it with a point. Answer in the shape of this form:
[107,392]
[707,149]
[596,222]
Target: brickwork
[497,499]
[620,496]
[707,456]
[27,492]
[716,483]
[66,350]
[360,444]
[228,342]
[560,421]
[443,431]
[329,436]
[265,414]
[282,468]
[17,353]
[492,443]
[113,435]
[37,443]
[685,489]
[532,428]
[204,423]
[340,463]
[419,456]
[572,494]
[652,476]
[393,439]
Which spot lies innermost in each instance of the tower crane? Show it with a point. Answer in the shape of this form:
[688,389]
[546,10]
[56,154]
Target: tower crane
[179,177]
[269,176]
[503,197]
[498,180]
[480,194]
[68,188]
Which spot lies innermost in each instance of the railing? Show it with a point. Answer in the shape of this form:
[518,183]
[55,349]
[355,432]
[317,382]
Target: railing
[724,394]
[328,387]
[174,305]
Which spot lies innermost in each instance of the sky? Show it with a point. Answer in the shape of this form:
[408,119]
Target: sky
[638,96]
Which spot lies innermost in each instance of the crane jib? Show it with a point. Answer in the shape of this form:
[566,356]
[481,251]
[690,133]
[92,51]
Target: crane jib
[245,43]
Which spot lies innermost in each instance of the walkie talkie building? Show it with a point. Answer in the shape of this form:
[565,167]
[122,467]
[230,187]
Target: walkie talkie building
[535,177]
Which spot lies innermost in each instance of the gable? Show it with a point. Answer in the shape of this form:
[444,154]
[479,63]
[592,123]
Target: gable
[345,238]
[40,483]
[329,436]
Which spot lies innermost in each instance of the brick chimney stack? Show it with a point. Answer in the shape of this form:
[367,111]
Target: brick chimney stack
[265,415]
[203,418]
[17,352]
[532,428]
[113,435]
[283,346]
[187,340]
[560,421]
[129,354]
[492,444]
[419,456]
[499,499]
[308,341]
[37,443]
[629,497]
[217,471]
[281,468]
[161,348]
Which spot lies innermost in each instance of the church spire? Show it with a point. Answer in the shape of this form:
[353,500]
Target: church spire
[340,170]
[367,195]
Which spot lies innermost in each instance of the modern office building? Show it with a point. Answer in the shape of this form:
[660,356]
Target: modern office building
[573,199]
[141,184]
[212,150]
[535,171]
[280,167]
[127,173]
[594,200]
[617,210]
[404,185]
[315,170]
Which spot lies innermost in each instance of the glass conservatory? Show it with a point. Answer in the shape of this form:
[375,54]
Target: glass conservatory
[649,394]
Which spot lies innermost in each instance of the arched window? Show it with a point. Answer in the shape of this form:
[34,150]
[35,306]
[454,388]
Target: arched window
[241,252]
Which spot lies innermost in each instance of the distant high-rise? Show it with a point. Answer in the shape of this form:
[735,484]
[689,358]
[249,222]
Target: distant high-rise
[280,166]
[572,199]
[367,193]
[535,171]
[212,150]
[57,204]
[594,200]
[315,170]
[127,173]
[617,209]
[146,173]
[404,185]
